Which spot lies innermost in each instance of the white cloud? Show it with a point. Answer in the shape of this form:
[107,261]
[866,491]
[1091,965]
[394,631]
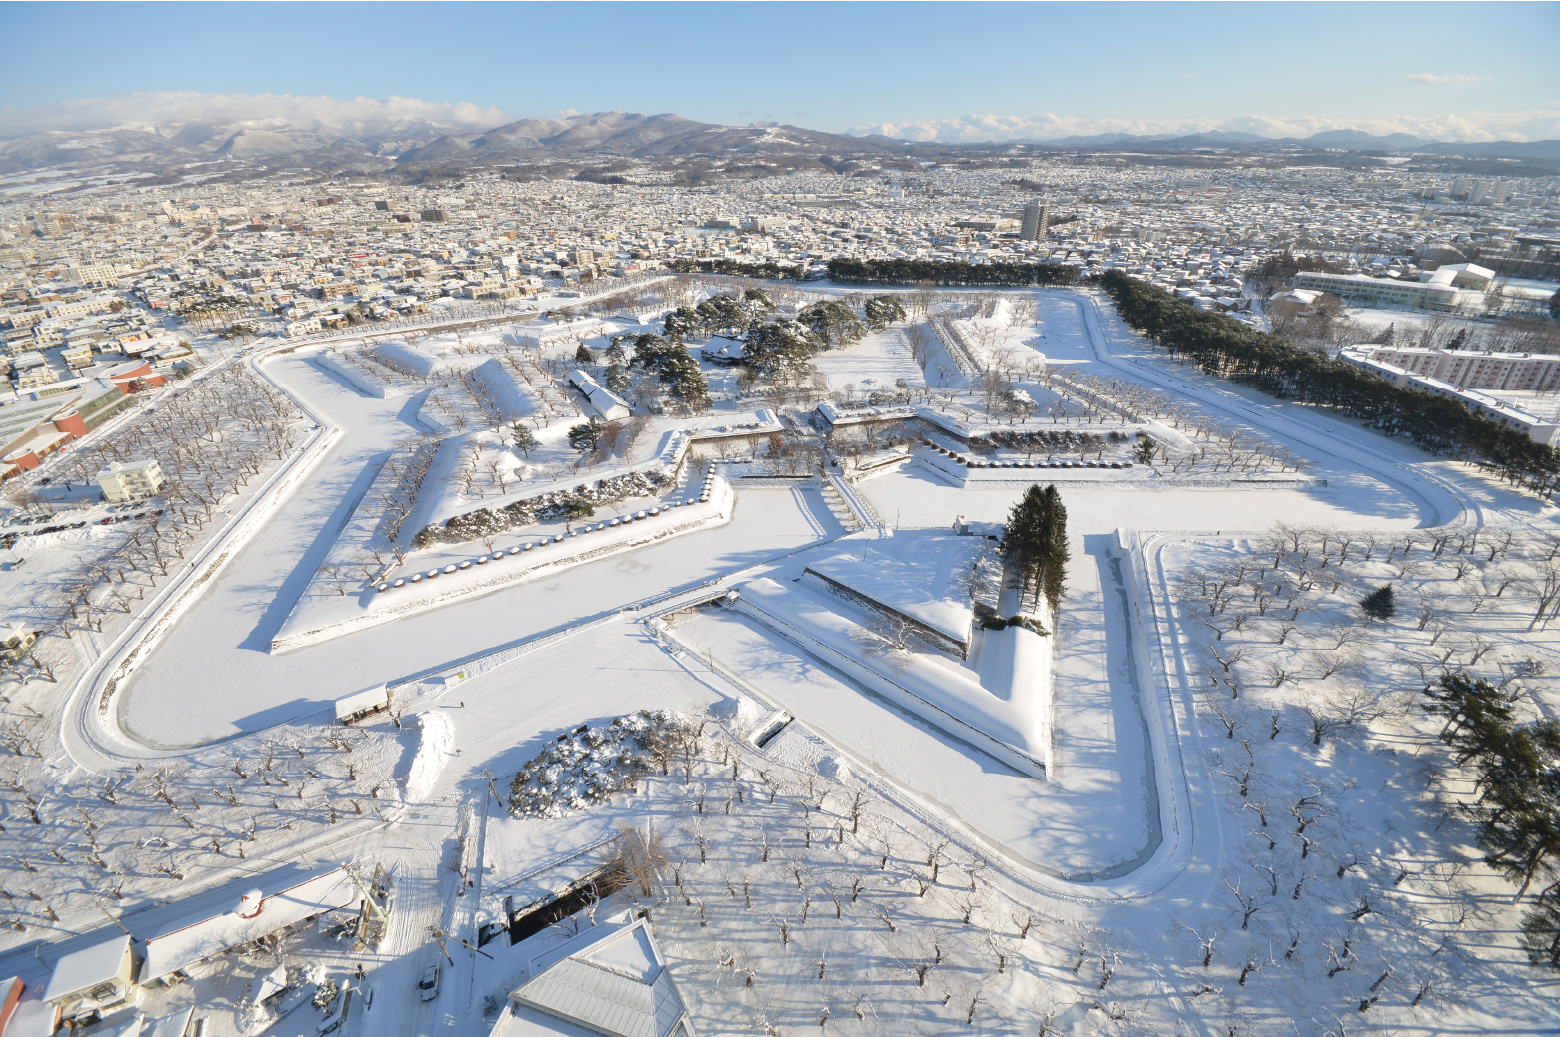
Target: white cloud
[318,114]
[1473,126]
[1437,79]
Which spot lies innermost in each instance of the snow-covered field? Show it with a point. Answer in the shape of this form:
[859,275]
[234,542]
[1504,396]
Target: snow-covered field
[1245,823]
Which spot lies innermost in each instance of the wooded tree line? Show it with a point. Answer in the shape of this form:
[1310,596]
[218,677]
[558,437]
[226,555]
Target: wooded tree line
[1518,805]
[1225,348]
[763,271]
[934,271]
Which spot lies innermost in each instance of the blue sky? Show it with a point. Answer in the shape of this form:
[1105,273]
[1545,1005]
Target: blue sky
[970,70]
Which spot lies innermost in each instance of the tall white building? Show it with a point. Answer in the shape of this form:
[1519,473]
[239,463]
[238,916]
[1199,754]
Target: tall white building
[135,480]
[1474,372]
[1037,220]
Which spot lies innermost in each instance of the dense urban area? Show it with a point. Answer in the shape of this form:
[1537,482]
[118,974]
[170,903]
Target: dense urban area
[769,589]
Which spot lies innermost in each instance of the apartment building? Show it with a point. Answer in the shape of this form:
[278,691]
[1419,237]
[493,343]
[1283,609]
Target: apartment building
[135,480]
[1492,407]
[1474,369]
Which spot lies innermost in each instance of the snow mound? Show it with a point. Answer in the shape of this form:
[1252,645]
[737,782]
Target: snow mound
[515,400]
[834,768]
[739,711]
[407,360]
[435,738]
[589,764]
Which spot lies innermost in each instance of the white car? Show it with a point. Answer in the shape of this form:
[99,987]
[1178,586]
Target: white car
[430,982]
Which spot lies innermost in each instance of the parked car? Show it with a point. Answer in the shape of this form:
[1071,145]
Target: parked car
[430,982]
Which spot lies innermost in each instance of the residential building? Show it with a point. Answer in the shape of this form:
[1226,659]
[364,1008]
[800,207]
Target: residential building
[10,996]
[257,915]
[611,979]
[1474,369]
[88,982]
[1498,410]
[608,405]
[1037,220]
[15,641]
[137,480]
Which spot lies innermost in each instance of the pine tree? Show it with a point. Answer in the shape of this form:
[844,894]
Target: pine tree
[583,355]
[1379,604]
[617,379]
[1477,717]
[684,381]
[1054,546]
[585,437]
[524,439]
[1035,545]
[1541,931]
[883,310]
[1518,808]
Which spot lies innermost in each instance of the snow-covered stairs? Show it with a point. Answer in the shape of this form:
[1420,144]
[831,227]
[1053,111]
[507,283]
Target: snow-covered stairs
[839,506]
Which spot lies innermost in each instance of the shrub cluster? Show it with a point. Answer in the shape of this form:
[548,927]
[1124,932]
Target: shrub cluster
[589,764]
[544,507]
[1043,439]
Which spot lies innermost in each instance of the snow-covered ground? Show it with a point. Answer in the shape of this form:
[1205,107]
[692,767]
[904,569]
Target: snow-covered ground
[1202,853]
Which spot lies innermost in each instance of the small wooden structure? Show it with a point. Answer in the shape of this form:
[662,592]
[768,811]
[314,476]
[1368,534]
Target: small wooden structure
[362,704]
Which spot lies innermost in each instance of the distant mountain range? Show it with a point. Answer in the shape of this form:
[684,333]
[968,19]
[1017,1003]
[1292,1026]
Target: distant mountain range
[1342,140]
[601,138]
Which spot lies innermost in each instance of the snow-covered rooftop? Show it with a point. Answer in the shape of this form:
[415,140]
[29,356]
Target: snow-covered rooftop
[178,948]
[86,968]
[610,982]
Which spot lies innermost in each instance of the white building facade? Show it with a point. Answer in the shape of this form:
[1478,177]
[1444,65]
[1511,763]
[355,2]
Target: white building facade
[1380,291]
[135,480]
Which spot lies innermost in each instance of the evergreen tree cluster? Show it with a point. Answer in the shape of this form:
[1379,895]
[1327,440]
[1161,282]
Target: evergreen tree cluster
[883,310]
[1518,809]
[672,365]
[935,271]
[833,323]
[1035,545]
[733,268]
[1225,348]
[780,350]
[726,313]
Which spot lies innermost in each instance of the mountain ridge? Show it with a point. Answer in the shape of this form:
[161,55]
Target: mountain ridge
[611,136]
